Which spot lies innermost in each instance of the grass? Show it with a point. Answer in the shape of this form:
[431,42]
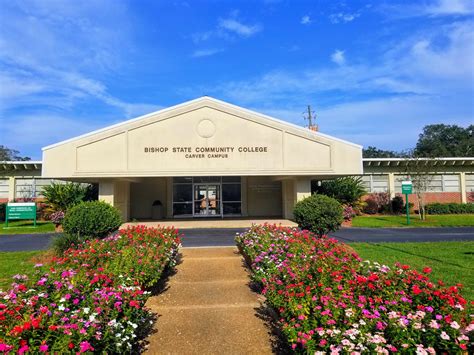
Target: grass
[17,262]
[447,220]
[452,262]
[26,227]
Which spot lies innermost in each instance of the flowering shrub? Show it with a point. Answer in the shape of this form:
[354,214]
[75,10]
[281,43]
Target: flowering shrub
[92,299]
[348,213]
[57,217]
[329,300]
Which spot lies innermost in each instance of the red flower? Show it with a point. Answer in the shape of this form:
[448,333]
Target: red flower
[427,270]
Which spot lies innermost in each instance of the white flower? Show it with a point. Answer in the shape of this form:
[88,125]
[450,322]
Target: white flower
[61,307]
[444,336]
[92,318]
[62,300]
[87,310]
[455,325]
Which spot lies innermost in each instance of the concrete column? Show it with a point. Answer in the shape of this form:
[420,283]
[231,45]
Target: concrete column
[391,185]
[302,189]
[11,188]
[288,198]
[116,193]
[462,185]
[292,192]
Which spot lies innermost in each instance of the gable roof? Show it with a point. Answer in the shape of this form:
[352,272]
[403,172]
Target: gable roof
[204,101]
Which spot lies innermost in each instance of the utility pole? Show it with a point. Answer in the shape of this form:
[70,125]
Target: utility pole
[310,115]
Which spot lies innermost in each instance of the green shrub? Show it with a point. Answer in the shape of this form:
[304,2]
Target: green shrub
[347,190]
[397,204]
[318,213]
[450,208]
[63,242]
[3,208]
[61,197]
[95,219]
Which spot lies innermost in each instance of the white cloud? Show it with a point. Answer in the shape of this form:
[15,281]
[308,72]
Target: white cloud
[69,45]
[338,57]
[343,17]
[239,28]
[205,52]
[450,7]
[427,78]
[306,20]
[433,8]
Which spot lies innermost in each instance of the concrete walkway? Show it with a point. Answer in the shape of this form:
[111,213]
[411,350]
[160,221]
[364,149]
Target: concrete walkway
[197,223]
[208,308]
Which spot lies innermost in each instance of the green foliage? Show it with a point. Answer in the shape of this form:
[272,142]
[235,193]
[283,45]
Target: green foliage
[397,204]
[95,219]
[439,140]
[347,190]
[7,154]
[61,197]
[450,208]
[3,209]
[373,152]
[318,213]
[63,242]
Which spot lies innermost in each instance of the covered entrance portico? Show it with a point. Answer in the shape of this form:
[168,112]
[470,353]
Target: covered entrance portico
[202,159]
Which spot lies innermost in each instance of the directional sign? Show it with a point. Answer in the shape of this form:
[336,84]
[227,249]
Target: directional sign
[407,187]
[20,210]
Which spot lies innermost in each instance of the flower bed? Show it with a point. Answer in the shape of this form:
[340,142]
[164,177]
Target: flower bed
[328,299]
[92,299]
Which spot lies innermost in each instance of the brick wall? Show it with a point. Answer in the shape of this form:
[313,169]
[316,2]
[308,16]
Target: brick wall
[432,197]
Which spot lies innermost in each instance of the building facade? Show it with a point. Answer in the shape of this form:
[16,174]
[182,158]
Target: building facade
[207,158]
[203,158]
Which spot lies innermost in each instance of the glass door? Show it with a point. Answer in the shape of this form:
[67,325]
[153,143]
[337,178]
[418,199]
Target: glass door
[207,200]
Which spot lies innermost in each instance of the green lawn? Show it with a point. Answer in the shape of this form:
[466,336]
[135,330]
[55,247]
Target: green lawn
[17,262]
[452,262]
[449,220]
[26,227]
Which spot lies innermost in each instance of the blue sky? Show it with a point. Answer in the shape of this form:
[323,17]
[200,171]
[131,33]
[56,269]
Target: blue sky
[375,72]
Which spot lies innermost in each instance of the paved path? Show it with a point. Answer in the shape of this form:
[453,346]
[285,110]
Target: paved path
[207,237]
[208,308]
[25,242]
[377,235]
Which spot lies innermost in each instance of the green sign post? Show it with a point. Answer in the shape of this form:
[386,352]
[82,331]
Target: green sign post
[407,188]
[20,210]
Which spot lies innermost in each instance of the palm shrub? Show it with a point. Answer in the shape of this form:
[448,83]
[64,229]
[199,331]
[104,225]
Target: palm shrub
[319,214]
[61,197]
[347,190]
[95,219]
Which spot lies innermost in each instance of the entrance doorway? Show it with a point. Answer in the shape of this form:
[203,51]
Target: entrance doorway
[207,200]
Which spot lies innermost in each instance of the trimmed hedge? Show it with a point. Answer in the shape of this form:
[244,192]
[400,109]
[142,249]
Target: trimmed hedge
[96,219]
[319,214]
[450,208]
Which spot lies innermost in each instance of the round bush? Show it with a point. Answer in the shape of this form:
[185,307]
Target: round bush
[95,219]
[319,214]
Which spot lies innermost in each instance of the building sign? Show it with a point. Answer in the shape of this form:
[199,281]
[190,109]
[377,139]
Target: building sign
[20,210]
[407,187]
[205,152]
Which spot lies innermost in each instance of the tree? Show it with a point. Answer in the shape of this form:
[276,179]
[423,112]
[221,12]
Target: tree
[347,190]
[7,154]
[419,171]
[440,140]
[373,152]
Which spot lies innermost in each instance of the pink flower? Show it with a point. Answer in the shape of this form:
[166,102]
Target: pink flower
[5,347]
[43,348]
[85,346]
[444,336]
[23,349]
